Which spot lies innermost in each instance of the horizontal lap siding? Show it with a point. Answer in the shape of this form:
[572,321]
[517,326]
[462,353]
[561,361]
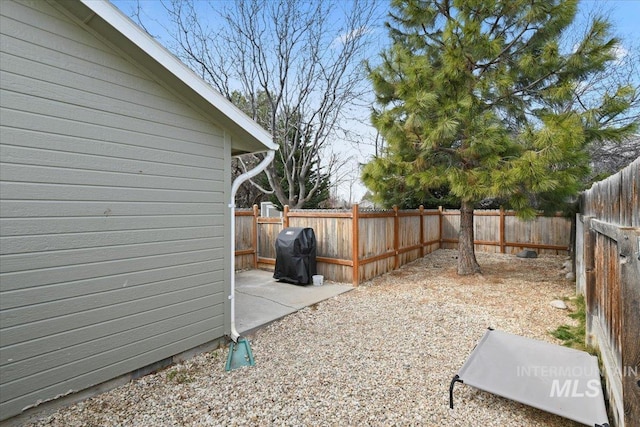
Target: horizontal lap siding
[112,213]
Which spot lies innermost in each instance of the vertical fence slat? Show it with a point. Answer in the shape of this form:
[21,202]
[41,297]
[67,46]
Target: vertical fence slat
[355,242]
[630,344]
[590,277]
[285,217]
[440,234]
[254,236]
[396,238]
[501,225]
[421,208]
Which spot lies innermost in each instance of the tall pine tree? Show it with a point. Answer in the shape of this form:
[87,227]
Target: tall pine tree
[476,95]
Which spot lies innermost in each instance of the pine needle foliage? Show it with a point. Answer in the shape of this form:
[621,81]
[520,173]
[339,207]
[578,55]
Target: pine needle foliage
[477,96]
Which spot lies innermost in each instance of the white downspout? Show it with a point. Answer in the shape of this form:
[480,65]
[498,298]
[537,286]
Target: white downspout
[234,189]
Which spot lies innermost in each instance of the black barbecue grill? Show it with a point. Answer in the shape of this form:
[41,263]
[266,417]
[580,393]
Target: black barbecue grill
[295,255]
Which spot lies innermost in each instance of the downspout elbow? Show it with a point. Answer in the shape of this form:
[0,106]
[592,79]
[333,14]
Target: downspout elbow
[234,189]
[250,174]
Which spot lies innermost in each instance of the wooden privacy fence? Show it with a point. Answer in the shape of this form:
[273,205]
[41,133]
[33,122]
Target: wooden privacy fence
[356,245]
[608,274]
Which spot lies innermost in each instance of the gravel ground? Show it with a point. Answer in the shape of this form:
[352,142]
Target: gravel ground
[380,355]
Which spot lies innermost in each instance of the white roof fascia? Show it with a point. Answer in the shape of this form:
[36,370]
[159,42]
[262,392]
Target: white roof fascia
[114,17]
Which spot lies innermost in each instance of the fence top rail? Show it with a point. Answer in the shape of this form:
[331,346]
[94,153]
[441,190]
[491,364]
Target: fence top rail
[416,213]
[376,214]
[498,212]
[426,211]
[269,220]
[385,213]
[370,213]
[316,213]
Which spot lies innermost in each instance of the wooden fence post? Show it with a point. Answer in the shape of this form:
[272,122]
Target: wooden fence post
[502,240]
[440,211]
[589,248]
[629,250]
[421,208]
[355,244]
[254,236]
[285,217]
[396,238]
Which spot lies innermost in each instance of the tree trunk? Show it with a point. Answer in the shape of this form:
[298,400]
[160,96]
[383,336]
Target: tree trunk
[467,263]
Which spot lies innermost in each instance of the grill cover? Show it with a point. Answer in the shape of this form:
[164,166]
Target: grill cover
[295,255]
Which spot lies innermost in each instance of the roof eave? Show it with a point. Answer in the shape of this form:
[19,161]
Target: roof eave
[109,22]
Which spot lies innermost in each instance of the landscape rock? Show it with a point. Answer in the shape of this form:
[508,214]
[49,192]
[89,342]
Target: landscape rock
[527,253]
[559,304]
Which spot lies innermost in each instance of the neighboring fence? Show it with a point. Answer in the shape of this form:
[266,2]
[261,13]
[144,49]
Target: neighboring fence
[608,274]
[389,239]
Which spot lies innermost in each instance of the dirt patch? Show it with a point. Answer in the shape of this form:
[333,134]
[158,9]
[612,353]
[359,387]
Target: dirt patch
[509,287]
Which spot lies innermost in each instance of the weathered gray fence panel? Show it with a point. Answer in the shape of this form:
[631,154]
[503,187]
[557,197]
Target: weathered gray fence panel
[608,274]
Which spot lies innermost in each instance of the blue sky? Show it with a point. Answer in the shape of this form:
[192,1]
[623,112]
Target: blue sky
[624,16]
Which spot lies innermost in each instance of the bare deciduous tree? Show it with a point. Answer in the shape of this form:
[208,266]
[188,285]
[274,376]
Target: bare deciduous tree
[609,155]
[302,59]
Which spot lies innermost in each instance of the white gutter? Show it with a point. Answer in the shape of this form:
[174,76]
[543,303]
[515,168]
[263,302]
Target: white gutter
[234,189]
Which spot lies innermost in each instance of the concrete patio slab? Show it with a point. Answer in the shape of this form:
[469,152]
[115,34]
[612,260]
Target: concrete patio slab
[260,299]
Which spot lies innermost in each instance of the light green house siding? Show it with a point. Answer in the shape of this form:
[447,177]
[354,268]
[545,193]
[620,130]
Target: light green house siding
[114,243]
